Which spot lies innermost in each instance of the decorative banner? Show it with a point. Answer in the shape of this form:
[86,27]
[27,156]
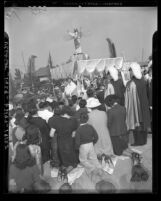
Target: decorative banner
[99,64]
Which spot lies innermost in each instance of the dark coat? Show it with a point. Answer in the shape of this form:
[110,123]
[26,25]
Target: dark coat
[119,89]
[143,99]
[117,120]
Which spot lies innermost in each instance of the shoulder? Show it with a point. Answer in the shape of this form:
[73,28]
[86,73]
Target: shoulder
[131,85]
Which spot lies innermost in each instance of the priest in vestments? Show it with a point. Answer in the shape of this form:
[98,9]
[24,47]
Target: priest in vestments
[137,108]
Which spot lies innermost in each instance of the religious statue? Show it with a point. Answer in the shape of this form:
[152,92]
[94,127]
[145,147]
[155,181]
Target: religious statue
[76,36]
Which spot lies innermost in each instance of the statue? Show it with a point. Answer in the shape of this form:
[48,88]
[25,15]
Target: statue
[76,36]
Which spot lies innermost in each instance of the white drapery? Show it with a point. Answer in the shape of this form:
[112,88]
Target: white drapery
[98,64]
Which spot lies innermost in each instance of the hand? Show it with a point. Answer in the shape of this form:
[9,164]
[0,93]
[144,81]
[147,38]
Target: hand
[73,134]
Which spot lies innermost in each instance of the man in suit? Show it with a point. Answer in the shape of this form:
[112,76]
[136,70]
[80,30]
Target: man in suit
[117,124]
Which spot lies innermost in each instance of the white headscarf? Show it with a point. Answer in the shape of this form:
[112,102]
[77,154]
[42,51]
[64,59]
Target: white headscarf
[136,69]
[114,73]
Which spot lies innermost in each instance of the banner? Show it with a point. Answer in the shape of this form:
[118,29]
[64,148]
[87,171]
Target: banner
[98,64]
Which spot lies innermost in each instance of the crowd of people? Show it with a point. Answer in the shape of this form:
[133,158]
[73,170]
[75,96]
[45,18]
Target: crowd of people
[67,127]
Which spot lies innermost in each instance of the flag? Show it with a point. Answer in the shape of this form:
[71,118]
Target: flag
[50,65]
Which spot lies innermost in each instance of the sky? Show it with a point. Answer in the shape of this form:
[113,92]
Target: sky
[130,29]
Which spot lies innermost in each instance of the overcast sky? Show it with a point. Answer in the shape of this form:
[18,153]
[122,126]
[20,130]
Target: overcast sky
[131,30]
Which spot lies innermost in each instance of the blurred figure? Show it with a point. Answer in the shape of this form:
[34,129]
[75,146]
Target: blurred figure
[98,119]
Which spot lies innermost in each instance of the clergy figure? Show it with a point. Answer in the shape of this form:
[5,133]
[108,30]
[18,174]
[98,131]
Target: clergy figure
[137,108]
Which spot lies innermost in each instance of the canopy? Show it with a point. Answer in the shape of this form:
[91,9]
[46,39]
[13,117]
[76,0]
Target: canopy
[98,64]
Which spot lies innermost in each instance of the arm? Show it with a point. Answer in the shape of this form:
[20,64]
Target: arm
[109,121]
[95,135]
[77,140]
[52,132]
[51,124]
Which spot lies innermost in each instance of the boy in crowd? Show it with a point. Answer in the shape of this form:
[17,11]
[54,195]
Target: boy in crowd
[85,137]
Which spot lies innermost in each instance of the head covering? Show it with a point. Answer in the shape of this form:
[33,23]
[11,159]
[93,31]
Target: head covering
[93,102]
[10,107]
[49,100]
[114,73]
[136,69]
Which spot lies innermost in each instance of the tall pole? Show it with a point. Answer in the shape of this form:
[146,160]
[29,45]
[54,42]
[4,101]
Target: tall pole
[24,61]
[142,54]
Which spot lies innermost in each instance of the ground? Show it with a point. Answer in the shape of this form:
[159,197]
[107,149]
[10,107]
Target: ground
[120,178]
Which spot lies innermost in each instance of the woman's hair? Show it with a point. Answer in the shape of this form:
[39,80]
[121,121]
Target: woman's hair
[66,110]
[74,99]
[90,93]
[57,110]
[41,105]
[82,103]
[65,189]
[84,117]
[32,135]
[33,111]
[23,157]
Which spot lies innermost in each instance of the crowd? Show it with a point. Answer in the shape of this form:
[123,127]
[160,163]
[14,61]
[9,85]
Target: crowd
[69,128]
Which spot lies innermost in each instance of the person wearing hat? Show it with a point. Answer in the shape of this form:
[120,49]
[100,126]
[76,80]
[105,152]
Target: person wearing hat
[98,119]
[116,85]
[137,108]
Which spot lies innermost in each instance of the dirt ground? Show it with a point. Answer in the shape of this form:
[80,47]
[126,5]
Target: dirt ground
[120,178]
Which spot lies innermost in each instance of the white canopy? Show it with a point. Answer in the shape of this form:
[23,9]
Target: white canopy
[98,64]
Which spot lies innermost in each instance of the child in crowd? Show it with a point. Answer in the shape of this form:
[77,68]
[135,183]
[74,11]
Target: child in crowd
[85,137]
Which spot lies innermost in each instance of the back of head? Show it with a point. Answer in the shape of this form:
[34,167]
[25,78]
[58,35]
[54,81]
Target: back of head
[65,189]
[23,157]
[82,103]
[111,99]
[67,110]
[90,93]
[84,117]
[74,99]
[105,187]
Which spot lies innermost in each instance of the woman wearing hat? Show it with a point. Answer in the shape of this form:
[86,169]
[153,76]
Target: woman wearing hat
[98,119]
[137,108]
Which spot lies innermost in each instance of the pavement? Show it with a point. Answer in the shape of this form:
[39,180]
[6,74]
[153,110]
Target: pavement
[120,177]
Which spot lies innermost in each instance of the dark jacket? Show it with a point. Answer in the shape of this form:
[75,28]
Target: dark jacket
[117,120]
[85,134]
